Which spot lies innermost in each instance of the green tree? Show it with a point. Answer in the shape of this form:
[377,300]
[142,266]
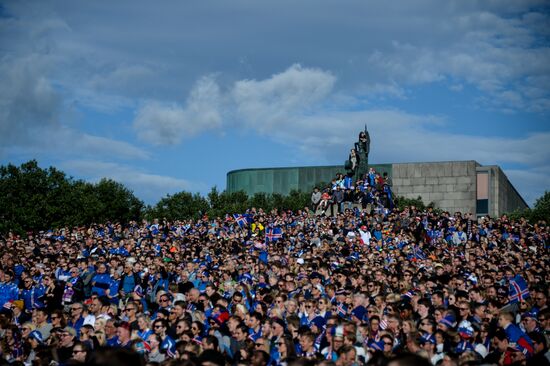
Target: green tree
[403,202]
[261,200]
[32,198]
[117,202]
[296,200]
[541,209]
[182,205]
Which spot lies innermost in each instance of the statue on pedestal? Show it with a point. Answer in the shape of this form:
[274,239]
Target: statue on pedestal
[357,164]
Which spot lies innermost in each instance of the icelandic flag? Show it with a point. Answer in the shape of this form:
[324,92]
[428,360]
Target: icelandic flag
[518,289]
[241,220]
[417,254]
[273,234]
[342,310]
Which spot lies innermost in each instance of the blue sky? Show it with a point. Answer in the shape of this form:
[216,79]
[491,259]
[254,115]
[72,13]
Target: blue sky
[172,96]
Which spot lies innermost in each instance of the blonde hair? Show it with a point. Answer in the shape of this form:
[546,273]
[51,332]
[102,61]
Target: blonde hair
[99,324]
[30,325]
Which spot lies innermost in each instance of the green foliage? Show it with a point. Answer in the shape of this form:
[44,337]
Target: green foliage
[403,202]
[539,212]
[225,202]
[181,205]
[32,198]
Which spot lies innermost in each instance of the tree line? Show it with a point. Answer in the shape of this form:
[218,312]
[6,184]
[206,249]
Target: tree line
[33,199]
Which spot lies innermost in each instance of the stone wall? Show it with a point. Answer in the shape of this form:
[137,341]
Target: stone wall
[503,197]
[451,186]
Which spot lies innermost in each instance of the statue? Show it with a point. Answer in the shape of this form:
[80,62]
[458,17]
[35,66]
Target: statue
[358,161]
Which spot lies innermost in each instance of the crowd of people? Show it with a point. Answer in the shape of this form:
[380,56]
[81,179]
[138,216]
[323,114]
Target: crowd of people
[372,193]
[344,285]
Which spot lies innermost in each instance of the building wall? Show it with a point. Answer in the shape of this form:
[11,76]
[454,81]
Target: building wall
[451,185]
[503,196]
[284,180]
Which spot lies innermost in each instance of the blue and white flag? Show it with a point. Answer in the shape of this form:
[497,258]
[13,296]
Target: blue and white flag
[241,220]
[518,289]
[273,234]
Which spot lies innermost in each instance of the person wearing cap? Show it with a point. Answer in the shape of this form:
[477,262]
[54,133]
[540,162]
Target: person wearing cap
[405,310]
[427,343]
[530,322]
[67,339]
[466,332]
[35,340]
[335,338]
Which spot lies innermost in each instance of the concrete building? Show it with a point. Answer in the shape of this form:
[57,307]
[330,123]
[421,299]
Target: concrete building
[464,186]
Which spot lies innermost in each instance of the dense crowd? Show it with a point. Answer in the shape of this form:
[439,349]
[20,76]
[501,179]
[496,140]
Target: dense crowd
[351,280]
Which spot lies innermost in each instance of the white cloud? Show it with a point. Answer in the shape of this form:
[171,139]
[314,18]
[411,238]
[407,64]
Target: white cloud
[503,56]
[264,103]
[147,186]
[167,124]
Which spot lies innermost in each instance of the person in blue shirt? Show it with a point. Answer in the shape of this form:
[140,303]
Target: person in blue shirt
[76,319]
[168,345]
[8,289]
[114,288]
[101,281]
[128,281]
[111,333]
[31,294]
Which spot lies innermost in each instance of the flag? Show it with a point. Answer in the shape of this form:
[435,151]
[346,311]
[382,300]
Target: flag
[241,220]
[341,309]
[416,254]
[273,234]
[518,289]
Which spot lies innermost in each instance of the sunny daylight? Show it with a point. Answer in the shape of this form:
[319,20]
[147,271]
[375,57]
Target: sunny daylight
[246,182]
